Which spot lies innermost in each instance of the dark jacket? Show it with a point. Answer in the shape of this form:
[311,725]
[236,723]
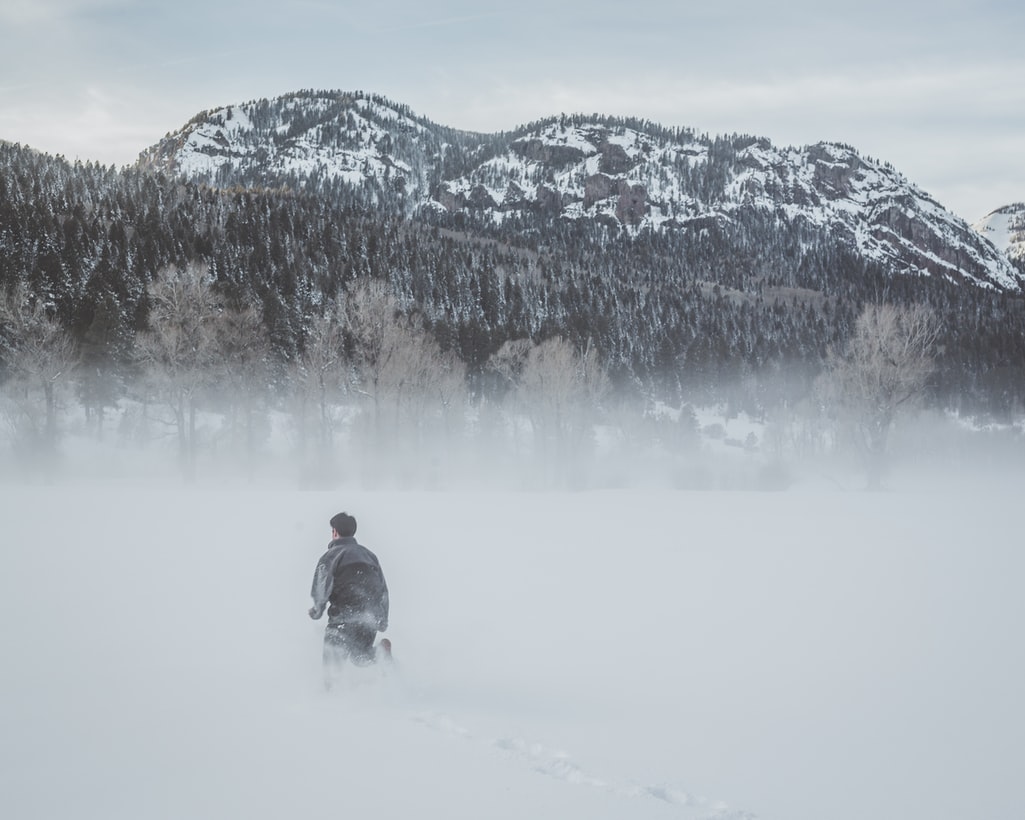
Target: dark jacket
[349,582]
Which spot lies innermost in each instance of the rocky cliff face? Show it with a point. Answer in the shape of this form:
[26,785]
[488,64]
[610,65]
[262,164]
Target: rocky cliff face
[625,175]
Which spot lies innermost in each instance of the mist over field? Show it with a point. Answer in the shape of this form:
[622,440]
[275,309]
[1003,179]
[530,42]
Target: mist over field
[630,647]
[693,453]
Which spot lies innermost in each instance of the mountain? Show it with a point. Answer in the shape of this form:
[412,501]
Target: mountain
[720,270]
[310,140]
[1005,228]
[620,175]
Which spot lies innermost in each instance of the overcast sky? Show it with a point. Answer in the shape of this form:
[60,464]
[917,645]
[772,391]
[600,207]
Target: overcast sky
[935,88]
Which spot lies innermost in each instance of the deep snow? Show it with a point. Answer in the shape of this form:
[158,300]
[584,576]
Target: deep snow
[642,654]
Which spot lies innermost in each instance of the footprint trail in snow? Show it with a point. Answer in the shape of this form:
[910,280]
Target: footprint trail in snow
[560,765]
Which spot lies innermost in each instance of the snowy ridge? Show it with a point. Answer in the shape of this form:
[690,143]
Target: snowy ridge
[627,177]
[349,138]
[585,171]
[624,174]
[1005,228]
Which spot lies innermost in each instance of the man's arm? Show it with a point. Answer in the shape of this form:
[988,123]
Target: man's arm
[323,582]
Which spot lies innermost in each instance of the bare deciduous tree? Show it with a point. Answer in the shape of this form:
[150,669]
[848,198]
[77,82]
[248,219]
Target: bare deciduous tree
[559,390]
[242,372]
[370,318]
[419,382]
[179,349]
[883,371]
[399,366]
[40,357]
[318,380]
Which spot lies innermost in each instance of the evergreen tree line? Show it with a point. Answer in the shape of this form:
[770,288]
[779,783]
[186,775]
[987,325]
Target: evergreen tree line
[743,311]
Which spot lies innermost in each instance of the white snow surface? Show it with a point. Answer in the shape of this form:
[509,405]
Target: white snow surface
[1005,228]
[606,654]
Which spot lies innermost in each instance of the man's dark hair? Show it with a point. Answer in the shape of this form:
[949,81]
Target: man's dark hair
[344,524]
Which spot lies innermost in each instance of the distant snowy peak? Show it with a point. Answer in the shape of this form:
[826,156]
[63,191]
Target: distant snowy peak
[626,174]
[350,138]
[1005,228]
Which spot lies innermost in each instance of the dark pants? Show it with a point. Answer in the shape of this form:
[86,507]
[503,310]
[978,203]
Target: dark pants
[348,641]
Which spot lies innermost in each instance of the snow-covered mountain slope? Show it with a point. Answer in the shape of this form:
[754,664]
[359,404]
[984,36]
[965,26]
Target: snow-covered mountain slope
[626,174]
[303,139]
[1005,228]
[640,180]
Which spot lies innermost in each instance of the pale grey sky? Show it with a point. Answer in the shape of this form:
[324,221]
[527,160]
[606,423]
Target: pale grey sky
[936,89]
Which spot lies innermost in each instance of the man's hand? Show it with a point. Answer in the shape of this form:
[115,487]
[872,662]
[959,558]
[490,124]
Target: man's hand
[316,612]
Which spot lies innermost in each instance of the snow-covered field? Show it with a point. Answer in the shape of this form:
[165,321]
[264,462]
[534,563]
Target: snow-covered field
[607,654]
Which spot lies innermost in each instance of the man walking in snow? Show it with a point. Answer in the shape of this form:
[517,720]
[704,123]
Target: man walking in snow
[349,583]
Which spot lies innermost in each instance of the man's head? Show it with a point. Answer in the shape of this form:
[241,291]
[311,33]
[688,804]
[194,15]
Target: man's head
[344,525]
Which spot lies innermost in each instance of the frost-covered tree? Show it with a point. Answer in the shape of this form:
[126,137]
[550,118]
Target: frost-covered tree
[413,386]
[318,382]
[370,318]
[178,350]
[882,372]
[559,389]
[242,372]
[39,358]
